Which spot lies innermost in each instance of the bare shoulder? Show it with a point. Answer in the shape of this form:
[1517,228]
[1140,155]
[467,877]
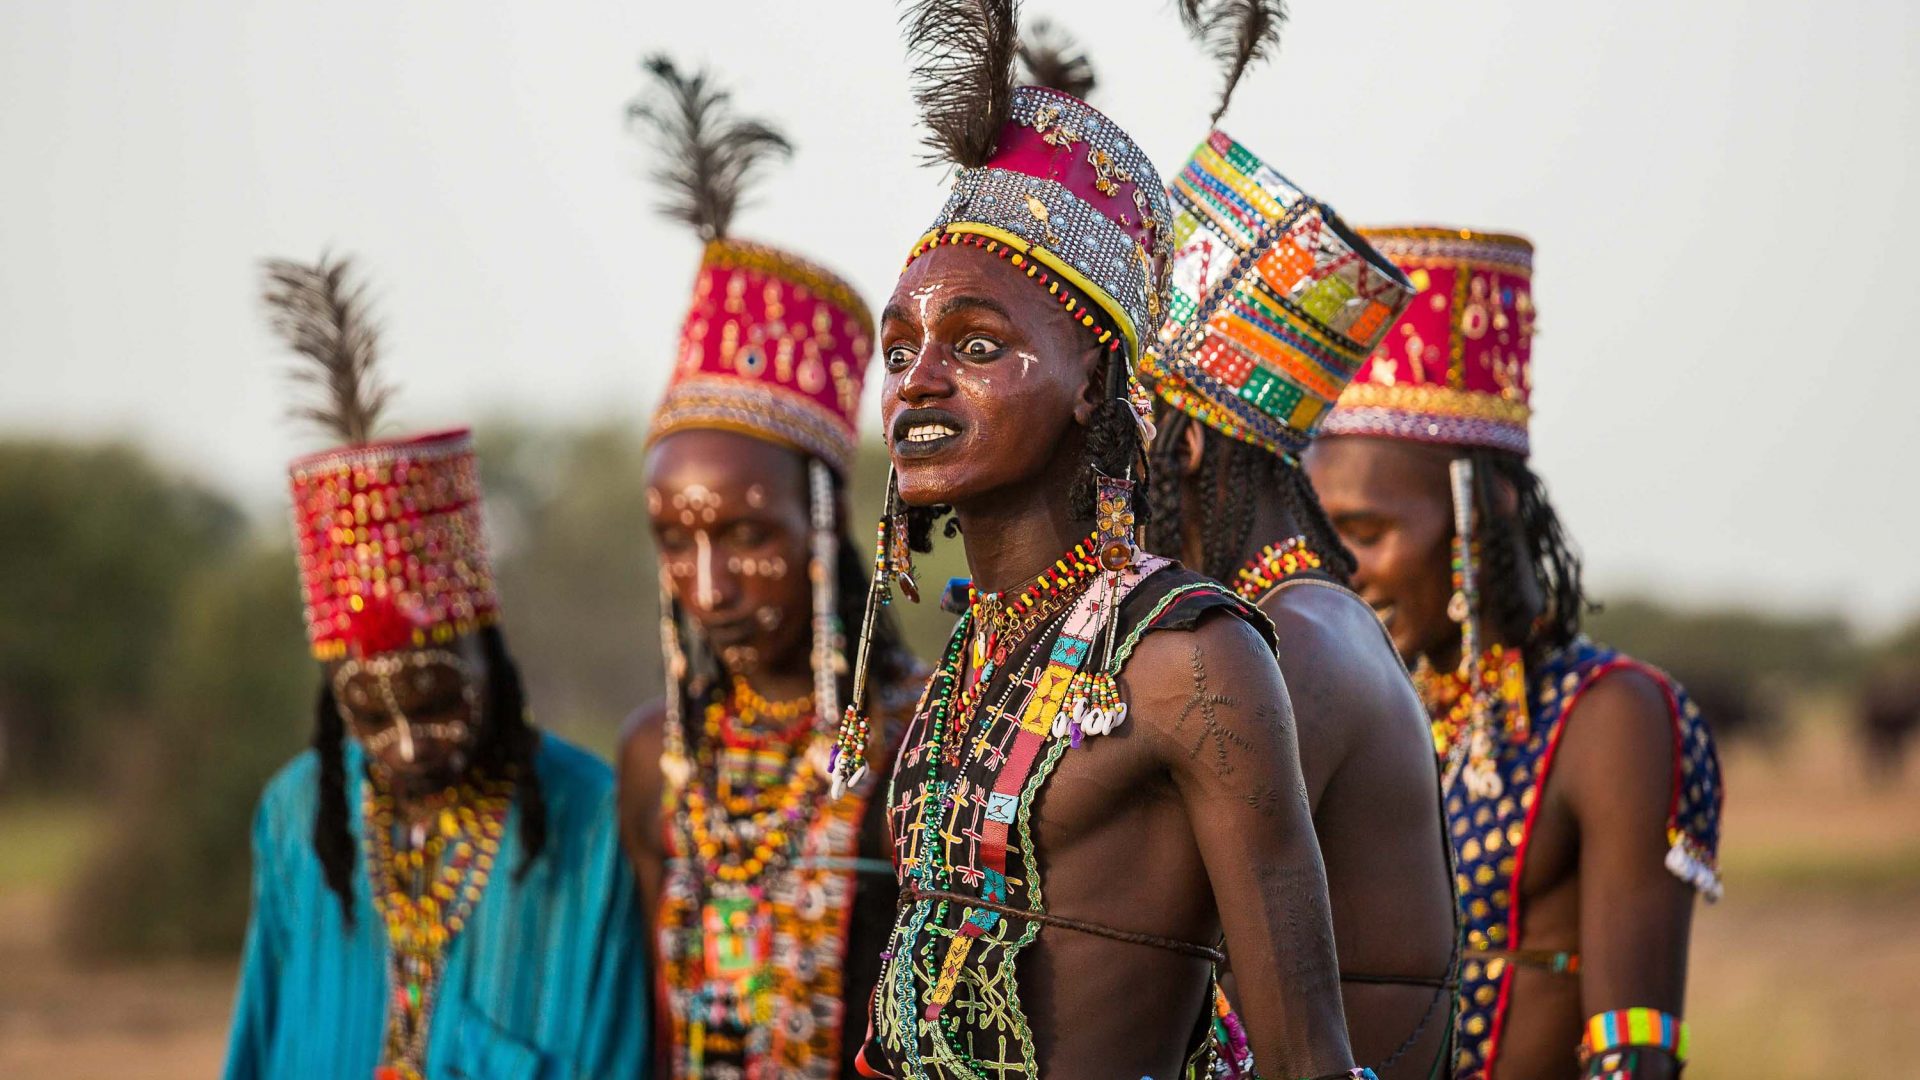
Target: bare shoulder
[642,735]
[1220,651]
[1209,702]
[1348,687]
[1619,740]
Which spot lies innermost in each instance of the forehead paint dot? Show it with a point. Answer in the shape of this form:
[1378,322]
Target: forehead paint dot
[756,496]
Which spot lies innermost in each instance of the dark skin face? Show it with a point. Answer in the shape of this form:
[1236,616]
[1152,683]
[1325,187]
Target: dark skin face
[1390,501]
[972,347]
[730,518]
[416,712]
[1202,791]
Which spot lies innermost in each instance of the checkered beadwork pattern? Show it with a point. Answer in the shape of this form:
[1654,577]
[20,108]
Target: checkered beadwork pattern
[773,346]
[1068,188]
[1274,302]
[1458,368]
[391,548]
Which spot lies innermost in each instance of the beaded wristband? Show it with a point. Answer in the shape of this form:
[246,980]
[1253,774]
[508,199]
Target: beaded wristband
[1638,1026]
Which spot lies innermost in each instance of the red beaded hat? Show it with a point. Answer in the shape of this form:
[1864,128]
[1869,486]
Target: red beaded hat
[1458,367]
[392,551]
[391,548]
[773,345]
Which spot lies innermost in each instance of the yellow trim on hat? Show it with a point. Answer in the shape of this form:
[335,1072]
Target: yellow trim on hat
[1059,266]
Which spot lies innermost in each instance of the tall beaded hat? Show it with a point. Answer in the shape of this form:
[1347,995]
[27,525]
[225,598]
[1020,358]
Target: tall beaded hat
[1044,180]
[1458,368]
[388,531]
[1275,302]
[773,345]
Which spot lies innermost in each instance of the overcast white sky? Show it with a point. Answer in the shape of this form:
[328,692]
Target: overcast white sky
[1721,192]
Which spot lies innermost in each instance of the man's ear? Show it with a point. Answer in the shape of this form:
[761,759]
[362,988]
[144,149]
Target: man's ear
[1193,445]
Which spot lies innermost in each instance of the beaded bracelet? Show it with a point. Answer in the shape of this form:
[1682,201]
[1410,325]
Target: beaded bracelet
[1635,1027]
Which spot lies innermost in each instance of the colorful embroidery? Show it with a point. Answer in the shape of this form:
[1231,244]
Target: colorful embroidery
[948,1005]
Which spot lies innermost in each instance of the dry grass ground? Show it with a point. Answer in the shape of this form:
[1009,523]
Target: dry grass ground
[1809,968]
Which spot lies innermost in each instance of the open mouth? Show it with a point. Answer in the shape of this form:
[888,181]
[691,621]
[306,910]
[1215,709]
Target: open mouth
[920,433]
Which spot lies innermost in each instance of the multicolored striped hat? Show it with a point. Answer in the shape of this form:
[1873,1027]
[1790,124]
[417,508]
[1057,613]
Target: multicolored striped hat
[1275,302]
[1458,368]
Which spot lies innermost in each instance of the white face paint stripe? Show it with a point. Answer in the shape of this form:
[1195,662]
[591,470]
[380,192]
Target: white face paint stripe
[703,570]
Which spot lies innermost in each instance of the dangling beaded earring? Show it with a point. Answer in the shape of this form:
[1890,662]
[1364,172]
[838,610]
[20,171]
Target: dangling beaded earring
[823,549]
[674,764]
[1482,779]
[892,564]
[1095,707]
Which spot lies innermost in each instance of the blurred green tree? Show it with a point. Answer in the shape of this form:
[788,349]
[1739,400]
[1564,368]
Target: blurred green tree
[95,541]
[233,702]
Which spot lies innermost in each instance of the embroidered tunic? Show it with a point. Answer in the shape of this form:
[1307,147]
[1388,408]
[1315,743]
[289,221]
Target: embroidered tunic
[1491,836]
[948,1004]
[547,980]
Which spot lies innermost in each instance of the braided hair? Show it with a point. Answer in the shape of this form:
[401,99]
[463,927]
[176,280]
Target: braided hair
[507,746]
[1231,479]
[1112,448]
[1521,540]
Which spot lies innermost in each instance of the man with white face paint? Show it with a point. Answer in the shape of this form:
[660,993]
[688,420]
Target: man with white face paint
[441,893]
[769,905]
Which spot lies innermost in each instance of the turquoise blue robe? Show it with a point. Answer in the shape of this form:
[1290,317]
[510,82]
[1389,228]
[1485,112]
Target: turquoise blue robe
[548,980]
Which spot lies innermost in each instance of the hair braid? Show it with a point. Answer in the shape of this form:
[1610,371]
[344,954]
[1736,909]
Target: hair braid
[1529,540]
[1232,476]
[332,839]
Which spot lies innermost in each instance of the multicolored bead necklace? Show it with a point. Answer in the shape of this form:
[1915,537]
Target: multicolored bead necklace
[1450,699]
[1275,564]
[425,894]
[744,824]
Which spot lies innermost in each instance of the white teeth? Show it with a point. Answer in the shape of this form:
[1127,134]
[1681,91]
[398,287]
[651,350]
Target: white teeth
[929,432]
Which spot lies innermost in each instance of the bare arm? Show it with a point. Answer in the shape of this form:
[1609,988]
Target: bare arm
[641,792]
[1616,773]
[1215,709]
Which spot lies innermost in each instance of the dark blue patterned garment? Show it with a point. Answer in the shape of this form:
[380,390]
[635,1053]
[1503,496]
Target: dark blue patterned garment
[1491,835]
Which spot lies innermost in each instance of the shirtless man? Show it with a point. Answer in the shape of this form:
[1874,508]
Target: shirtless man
[1101,720]
[1582,790]
[1275,304]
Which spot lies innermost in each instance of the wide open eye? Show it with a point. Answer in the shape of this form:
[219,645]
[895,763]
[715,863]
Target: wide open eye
[978,347]
[899,356]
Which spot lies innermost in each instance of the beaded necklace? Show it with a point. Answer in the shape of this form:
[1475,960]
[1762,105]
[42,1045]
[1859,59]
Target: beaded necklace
[425,894]
[757,875]
[740,829]
[1452,701]
[1275,564]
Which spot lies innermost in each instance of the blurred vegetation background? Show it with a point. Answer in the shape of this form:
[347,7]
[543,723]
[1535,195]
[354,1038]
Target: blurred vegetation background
[153,675]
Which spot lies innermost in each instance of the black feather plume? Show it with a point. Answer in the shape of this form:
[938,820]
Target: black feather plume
[325,317]
[1051,58]
[711,155]
[962,52]
[1235,33]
